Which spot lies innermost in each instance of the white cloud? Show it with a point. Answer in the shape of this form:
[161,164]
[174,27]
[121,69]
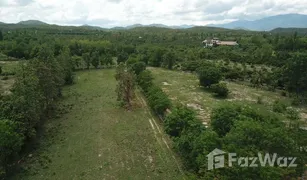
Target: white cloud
[109,13]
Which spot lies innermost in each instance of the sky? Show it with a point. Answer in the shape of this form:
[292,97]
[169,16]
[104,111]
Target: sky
[111,13]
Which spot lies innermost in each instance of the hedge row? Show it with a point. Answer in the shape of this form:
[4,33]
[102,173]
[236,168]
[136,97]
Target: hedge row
[187,132]
[35,91]
[157,99]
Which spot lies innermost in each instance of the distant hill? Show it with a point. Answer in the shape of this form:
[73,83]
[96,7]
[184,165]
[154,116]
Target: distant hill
[156,25]
[269,23]
[32,22]
[92,27]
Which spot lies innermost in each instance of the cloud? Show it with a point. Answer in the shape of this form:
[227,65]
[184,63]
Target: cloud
[108,13]
[23,2]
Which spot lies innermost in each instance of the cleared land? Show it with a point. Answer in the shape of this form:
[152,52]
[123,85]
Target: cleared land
[183,87]
[98,140]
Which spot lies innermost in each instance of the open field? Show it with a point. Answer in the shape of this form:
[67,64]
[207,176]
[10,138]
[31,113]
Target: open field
[98,140]
[9,66]
[5,85]
[183,87]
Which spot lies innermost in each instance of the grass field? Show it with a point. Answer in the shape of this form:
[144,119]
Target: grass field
[184,88]
[9,66]
[98,140]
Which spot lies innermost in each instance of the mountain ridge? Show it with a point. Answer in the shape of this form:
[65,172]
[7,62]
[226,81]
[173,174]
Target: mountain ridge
[264,24]
[268,23]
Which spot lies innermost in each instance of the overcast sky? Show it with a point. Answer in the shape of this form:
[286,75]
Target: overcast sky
[110,13]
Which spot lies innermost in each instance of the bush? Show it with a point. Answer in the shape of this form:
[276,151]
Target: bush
[158,100]
[10,142]
[144,80]
[279,106]
[209,75]
[179,120]
[220,89]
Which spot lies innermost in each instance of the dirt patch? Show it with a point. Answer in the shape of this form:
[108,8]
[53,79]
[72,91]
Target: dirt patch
[195,106]
[166,84]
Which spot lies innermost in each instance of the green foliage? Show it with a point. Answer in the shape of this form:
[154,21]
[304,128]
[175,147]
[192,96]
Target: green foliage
[95,59]
[35,91]
[136,65]
[220,90]
[10,143]
[208,75]
[222,119]
[106,60]
[1,36]
[67,63]
[169,59]
[181,119]
[87,59]
[158,100]
[126,86]
[295,73]
[144,80]
[156,57]
[279,107]
[122,57]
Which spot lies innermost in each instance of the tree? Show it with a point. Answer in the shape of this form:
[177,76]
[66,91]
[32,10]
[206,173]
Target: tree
[1,36]
[122,57]
[95,59]
[126,86]
[87,59]
[295,74]
[220,89]
[106,60]
[209,75]
[156,57]
[77,61]
[222,118]
[10,142]
[144,80]
[67,63]
[169,60]
[179,120]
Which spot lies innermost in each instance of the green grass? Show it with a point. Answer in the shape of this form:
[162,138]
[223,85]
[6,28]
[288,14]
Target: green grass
[97,139]
[9,66]
[184,88]
[5,85]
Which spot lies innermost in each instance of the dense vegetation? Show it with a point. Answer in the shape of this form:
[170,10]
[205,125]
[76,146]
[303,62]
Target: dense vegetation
[263,60]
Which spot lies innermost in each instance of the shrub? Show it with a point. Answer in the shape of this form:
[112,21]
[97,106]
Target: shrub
[279,107]
[158,100]
[181,119]
[144,80]
[209,75]
[222,118]
[10,142]
[220,89]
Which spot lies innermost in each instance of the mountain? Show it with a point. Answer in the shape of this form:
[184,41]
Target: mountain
[268,23]
[32,22]
[91,27]
[155,25]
